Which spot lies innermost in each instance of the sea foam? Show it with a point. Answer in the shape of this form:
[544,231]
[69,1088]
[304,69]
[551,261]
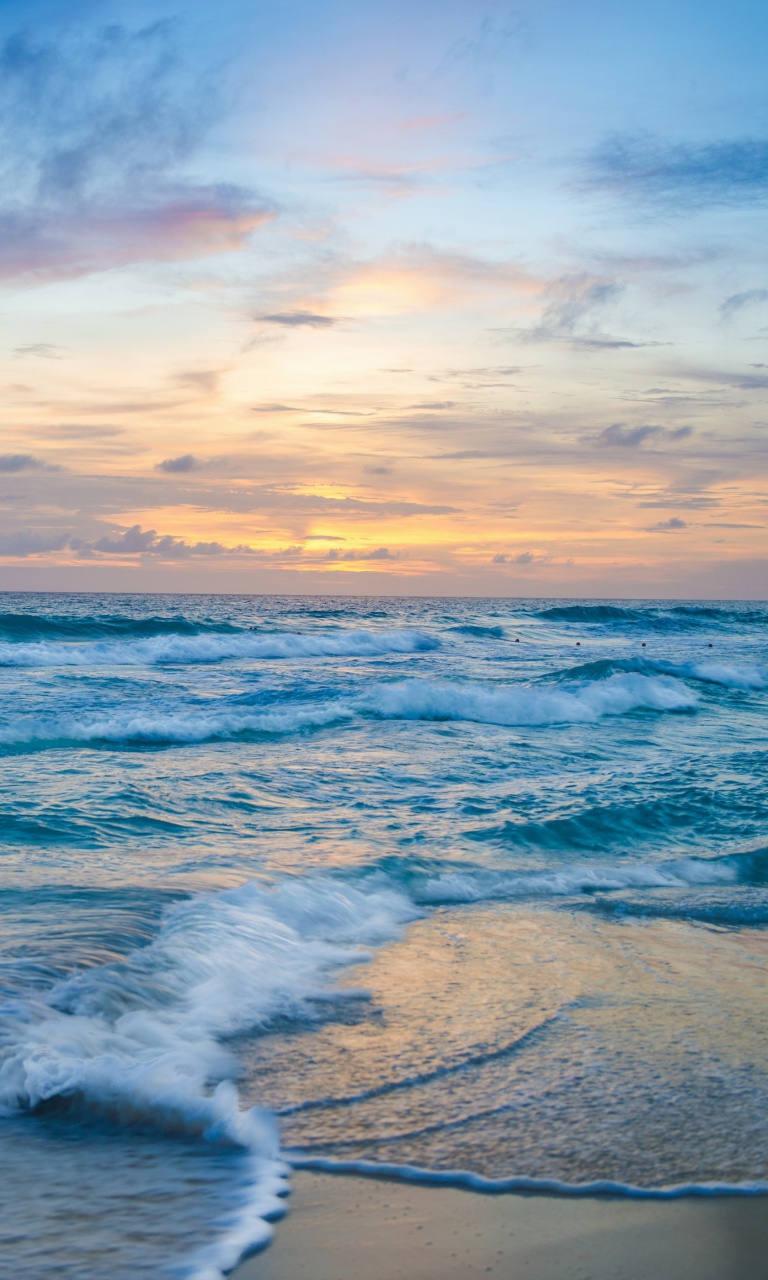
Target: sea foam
[140,1040]
[213,647]
[516,705]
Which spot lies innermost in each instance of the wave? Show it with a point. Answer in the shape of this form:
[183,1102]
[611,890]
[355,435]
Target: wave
[523,705]
[485,885]
[143,1039]
[157,728]
[517,706]
[589,613]
[482,633]
[657,616]
[729,675]
[140,1040]
[737,911]
[22,627]
[177,648]
[522,1185]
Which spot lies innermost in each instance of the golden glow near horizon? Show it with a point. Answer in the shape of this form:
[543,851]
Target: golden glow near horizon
[413,342]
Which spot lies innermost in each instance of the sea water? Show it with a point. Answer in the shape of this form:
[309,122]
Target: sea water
[471,890]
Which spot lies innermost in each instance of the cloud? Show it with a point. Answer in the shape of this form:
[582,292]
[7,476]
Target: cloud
[79,431]
[380,553]
[434,404]
[275,408]
[94,130]
[681,176]
[264,498]
[619,435]
[524,557]
[206,381]
[138,541]
[46,350]
[667,526]
[24,462]
[694,503]
[27,542]
[574,299]
[738,301]
[187,462]
[297,319]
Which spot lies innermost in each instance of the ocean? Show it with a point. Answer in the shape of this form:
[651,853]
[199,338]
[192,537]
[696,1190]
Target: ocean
[473,890]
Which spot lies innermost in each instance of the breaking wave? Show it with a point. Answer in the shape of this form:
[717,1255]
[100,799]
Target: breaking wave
[521,705]
[729,675]
[515,706]
[210,647]
[140,1040]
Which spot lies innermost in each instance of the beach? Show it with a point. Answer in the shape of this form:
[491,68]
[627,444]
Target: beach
[466,895]
[348,1228]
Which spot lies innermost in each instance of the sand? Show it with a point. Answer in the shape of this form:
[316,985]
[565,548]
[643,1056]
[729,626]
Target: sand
[353,1228]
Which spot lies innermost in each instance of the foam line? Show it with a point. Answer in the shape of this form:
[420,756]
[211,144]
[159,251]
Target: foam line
[519,705]
[468,1181]
[525,705]
[212,647]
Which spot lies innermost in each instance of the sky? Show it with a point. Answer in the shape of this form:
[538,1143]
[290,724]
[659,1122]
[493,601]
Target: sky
[443,297]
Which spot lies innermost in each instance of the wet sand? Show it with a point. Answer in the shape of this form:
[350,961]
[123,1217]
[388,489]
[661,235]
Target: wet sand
[352,1228]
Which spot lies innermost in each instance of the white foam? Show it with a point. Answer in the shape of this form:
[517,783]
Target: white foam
[730,675]
[524,705]
[141,1038]
[513,705]
[480,885]
[523,1185]
[213,648]
[174,727]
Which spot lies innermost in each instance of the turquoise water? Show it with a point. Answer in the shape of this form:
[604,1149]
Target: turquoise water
[450,885]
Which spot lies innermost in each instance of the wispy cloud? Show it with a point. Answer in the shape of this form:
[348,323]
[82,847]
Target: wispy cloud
[45,350]
[681,176]
[24,462]
[29,542]
[379,553]
[94,131]
[296,320]
[574,304]
[621,436]
[738,301]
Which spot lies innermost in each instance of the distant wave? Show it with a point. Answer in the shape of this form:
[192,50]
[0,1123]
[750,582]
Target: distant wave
[175,648]
[729,675]
[589,613]
[21,627]
[513,706]
[655,617]
[482,633]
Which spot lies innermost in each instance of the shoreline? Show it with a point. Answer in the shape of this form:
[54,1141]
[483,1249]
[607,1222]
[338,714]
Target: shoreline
[345,1227]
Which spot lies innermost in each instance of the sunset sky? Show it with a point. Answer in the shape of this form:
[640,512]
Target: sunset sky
[436,297]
